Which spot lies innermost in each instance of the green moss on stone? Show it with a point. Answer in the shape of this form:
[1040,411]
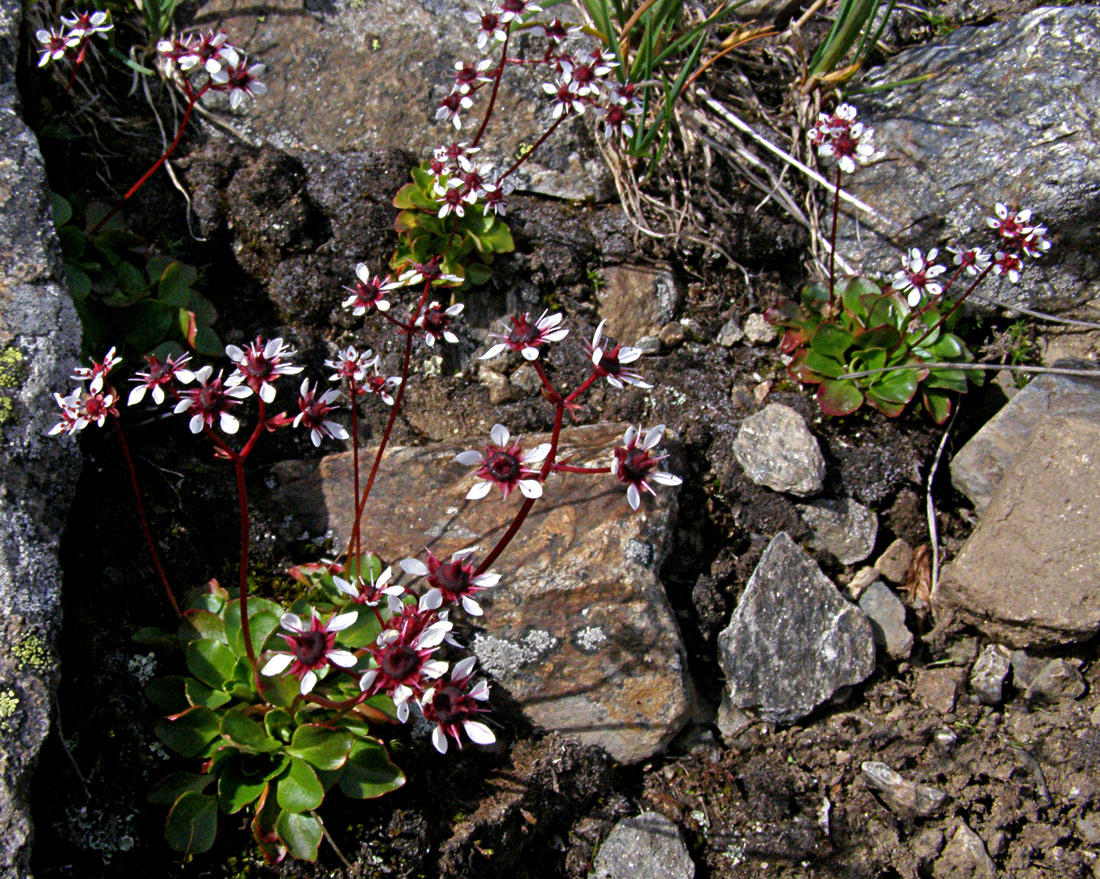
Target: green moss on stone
[31,652]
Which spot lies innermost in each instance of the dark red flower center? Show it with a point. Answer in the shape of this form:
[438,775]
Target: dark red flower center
[452,577]
[451,705]
[309,647]
[436,320]
[635,465]
[502,466]
[400,662]
[523,333]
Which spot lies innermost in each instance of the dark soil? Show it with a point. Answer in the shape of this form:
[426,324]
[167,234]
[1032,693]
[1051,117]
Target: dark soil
[278,244]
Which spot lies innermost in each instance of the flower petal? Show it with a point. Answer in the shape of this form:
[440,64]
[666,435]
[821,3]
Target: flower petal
[342,658]
[277,664]
[479,491]
[478,732]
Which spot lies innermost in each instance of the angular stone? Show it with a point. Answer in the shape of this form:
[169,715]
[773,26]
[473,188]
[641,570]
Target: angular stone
[964,857]
[579,631]
[776,449]
[887,615]
[907,798]
[989,673]
[730,334]
[938,688]
[1009,115]
[648,846]
[1059,680]
[637,301]
[842,526]
[895,560]
[758,331]
[793,641]
[1027,575]
[979,465]
[369,75]
[39,341]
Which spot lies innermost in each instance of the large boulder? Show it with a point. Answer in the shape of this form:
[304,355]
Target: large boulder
[369,75]
[1027,575]
[1004,113]
[39,337]
[579,632]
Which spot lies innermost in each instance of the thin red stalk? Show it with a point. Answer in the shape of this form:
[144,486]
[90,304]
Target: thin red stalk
[585,385]
[571,468]
[525,508]
[242,498]
[546,383]
[144,522]
[943,320]
[531,151]
[832,237]
[76,64]
[355,543]
[496,87]
[156,165]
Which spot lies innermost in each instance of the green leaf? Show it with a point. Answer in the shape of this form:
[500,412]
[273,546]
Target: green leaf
[62,210]
[78,282]
[192,823]
[278,725]
[211,662]
[73,242]
[174,286]
[826,366]
[244,778]
[198,624]
[131,280]
[798,370]
[245,733]
[831,341]
[478,274]
[369,772]
[169,789]
[885,337]
[189,732]
[301,834]
[853,291]
[200,694]
[890,310]
[299,788]
[896,387]
[147,323]
[263,826]
[403,199]
[839,397]
[938,404]
[262,623]
[947,380]
[815,295]
[280,690]
[321,746]
[947,347]
[151,636]
[169,694]
[206,342]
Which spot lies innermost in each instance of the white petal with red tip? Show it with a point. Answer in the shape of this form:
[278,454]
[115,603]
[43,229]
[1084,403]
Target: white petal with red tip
[478,732]
[463,668]
[499,435]
[291,622]
[653,436]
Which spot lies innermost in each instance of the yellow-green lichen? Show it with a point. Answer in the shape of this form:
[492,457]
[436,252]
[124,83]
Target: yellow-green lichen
[31,652]
[6,409]
[9,701]
[11,367]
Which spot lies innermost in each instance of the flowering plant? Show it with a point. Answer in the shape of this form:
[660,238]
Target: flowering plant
[880,342]
[283,704]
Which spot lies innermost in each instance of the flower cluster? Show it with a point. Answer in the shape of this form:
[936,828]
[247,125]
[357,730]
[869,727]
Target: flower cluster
[576,81]
[839,136]
[1018,239]
[92,402]
[71,38]
[226,67]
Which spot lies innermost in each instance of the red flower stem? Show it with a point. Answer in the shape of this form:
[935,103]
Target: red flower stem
[242,498]
[832,237]
[394,409]
[585,385]
[356,546]
[496,86]
[538,143]
[525,508]
[76,64]
[144,522]
[393,320]
[156,165]
[572,468]
[943,320]
[328,703]
[551,391]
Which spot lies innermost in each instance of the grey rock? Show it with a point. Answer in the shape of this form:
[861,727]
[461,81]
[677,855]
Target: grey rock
[1025,668]
[925,845]
[39,339]
[863,578]
[636,301]
[648,345]
[672,334]
[776,449]
[843,526]
[526,379]
[964,857]
[895,560]
[731,720]
[730,334]
[1058,681]
[579,631]
[887,615]
[793,641]
[906,798]
[1026,576]
[369,75]
[1010,114]
[648,846]
[989,673]
[944,740]
[758,331]
[979,465]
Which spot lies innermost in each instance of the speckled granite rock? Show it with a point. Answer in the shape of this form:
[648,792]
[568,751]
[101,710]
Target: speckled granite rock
[579,632]
[1009,114]
[39,336]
